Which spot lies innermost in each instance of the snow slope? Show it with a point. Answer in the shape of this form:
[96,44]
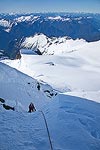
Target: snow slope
[74,123]
[76,71]
[73,116]
[19,89]
[22,131]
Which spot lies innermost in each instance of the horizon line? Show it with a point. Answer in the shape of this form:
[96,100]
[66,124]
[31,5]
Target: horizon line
[49,12]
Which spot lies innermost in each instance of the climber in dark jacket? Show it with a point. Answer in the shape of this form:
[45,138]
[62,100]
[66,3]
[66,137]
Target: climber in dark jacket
[31,108]
[38,86]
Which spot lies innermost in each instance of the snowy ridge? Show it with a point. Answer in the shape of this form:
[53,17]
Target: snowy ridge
[21,92]
[7,24]
[26,18]
[36,42]
[4,23]
[59,18]
[55,18]
[50,46]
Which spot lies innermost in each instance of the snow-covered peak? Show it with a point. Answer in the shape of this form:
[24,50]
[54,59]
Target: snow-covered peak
[79,18]
[26,18]
[59,18]
[5,23]
[49,46]
[36,42]
[55,18]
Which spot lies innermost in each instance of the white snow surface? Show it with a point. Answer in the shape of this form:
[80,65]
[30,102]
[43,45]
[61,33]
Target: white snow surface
[38,41]
[59,18]
[19,89]
[75,70]
[55,18]
[74,123]
[52,46]
[26,18]
[73,115]
[5,23]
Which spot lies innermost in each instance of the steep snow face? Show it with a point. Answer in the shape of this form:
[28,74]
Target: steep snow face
[36,42]
[19,90]
[73,123]
[52,46]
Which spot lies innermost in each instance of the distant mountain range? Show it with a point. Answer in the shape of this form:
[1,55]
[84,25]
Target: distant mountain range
[15,28]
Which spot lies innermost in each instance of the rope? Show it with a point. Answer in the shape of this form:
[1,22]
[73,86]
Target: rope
[51,147]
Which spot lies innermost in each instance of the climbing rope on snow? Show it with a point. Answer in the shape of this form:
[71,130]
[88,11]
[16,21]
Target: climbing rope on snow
[51,147]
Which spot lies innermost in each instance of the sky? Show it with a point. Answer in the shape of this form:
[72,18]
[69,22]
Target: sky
[27,6]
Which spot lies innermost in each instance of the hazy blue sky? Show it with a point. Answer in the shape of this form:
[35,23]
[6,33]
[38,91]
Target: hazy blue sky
[50,6]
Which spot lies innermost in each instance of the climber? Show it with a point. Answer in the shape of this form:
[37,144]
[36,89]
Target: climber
[31,107]
[38,86]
